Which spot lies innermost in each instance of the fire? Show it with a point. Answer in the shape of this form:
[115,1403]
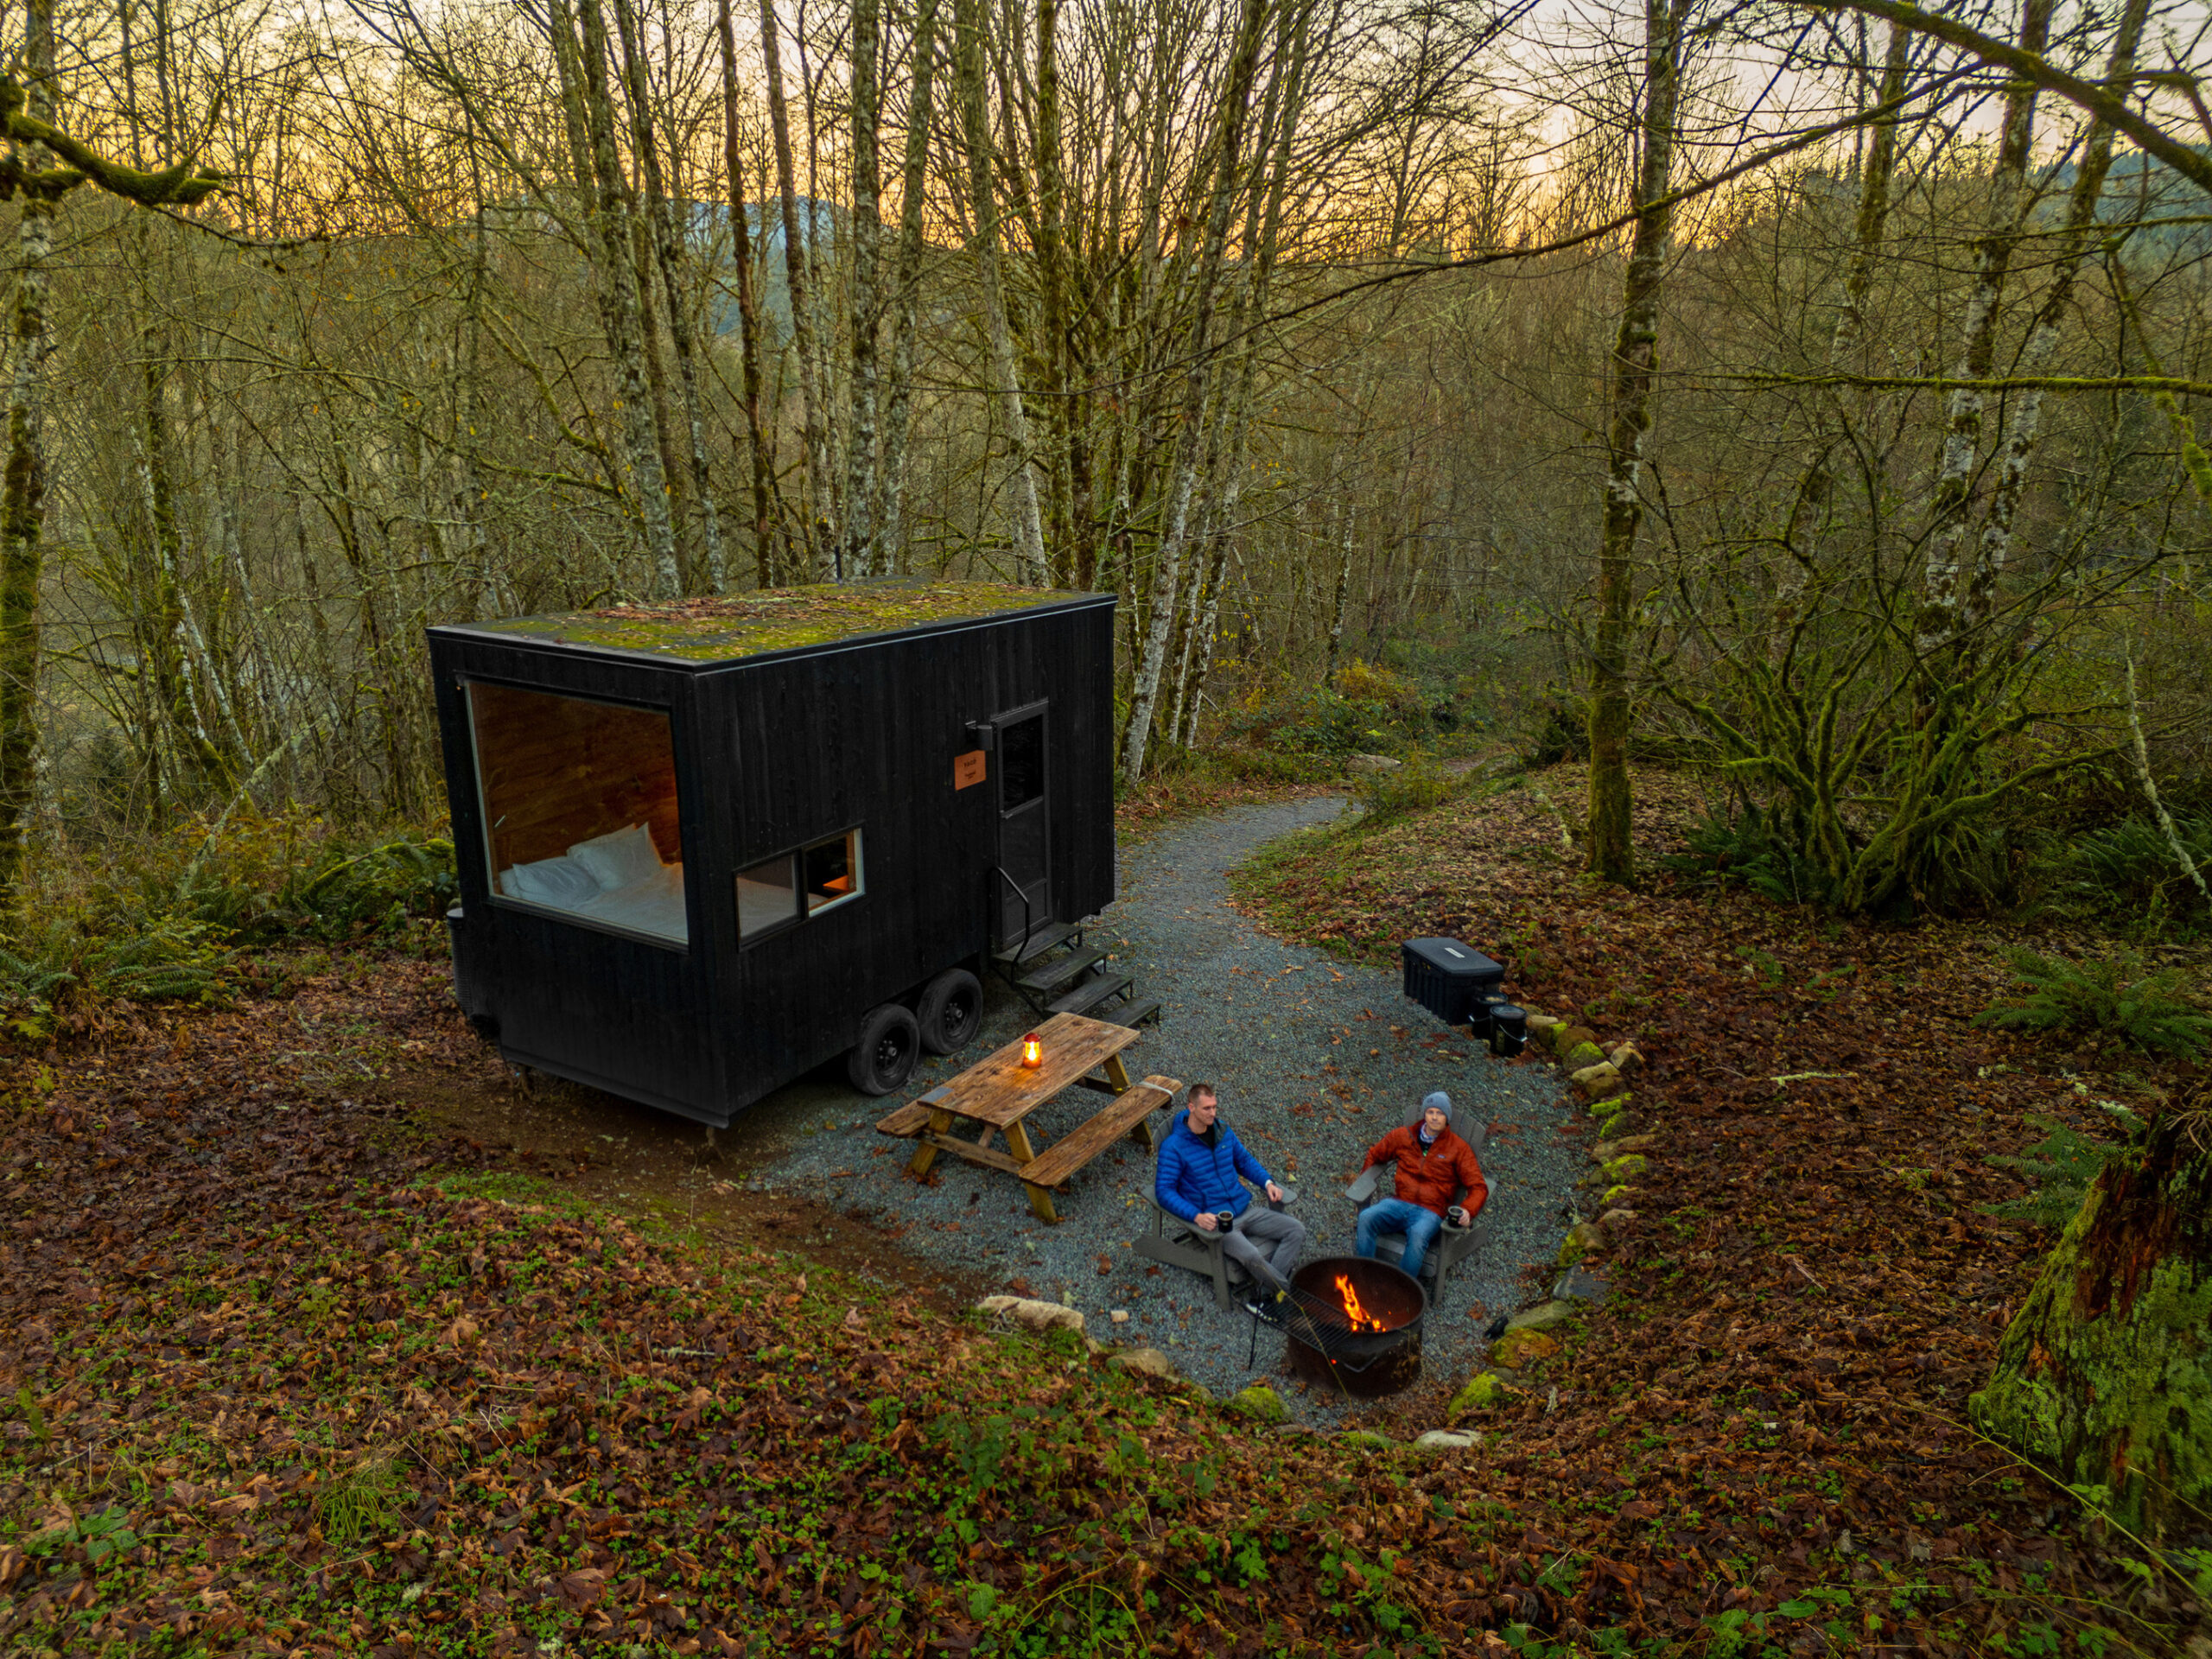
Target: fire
[1358,1315]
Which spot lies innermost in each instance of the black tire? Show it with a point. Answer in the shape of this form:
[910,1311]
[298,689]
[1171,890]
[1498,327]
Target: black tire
[951,1011]
[883,1056]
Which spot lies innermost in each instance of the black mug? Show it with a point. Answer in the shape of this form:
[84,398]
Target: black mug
[1224,1219]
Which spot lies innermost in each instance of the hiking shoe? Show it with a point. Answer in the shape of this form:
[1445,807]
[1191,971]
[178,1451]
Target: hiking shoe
[1273,1306]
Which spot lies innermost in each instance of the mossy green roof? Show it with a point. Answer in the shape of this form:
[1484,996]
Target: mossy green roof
[729,627]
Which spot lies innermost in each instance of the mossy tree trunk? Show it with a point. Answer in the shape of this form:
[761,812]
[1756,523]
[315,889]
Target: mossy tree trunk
[2105,1378]
[1636,362]
[22,498]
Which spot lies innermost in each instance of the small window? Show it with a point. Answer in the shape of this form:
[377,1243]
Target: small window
[1021,763]
[767,898]
[833,872]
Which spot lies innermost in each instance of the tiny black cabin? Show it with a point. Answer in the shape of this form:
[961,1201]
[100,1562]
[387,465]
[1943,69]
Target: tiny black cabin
[705,846]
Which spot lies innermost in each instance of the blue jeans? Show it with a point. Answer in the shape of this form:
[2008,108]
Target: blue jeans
[1420,1225]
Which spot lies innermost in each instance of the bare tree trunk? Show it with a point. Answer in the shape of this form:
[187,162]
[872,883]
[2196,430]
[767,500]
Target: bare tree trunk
[649,333]
[817,510]
[1027,532]
[22,497]
[1815,497]
[591,116]
[860,421]
[1343,588]
[748,306]
[1168,570]
[1635,368]
[668,256]
[892,535]
[1942,600]
[2021,432]
[1051,282]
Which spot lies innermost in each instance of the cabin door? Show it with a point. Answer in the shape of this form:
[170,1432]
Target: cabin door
[1024,878]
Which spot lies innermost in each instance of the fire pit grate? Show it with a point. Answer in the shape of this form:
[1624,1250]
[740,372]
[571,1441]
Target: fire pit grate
[1353,1323]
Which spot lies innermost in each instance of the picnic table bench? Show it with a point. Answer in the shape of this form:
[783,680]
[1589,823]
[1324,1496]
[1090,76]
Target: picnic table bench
[998,1092]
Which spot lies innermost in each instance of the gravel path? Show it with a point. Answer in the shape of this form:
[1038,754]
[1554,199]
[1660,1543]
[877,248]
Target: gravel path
[1265,1021]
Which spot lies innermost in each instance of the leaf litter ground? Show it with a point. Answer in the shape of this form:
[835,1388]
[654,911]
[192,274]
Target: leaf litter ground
[292,1367]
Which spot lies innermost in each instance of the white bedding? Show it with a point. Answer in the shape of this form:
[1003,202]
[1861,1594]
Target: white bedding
[653,904]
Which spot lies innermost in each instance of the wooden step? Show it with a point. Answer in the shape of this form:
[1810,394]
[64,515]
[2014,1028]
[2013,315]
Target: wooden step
[1045,982]
[1125,1115]
[1131,1014]
[1090,993]
[1048,936]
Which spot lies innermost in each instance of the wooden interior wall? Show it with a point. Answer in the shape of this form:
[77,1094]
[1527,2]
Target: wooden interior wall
[559,770]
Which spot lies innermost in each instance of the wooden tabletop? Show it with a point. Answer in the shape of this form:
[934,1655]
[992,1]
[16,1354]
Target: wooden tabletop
[1000,1091]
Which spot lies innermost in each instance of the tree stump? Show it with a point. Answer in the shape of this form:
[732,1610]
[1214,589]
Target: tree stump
[2105,1378]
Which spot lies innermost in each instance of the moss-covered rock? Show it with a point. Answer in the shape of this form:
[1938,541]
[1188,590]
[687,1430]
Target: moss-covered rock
[1613,1107]
[1543,1317]
[1484,1390]
[1615,1195]
[1582,1055]
[1581,1240]
[1624,1169]
[1518,1348]
[1368,1440]
[1259,1402]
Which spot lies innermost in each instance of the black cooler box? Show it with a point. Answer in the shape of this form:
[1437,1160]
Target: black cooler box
[1446,976]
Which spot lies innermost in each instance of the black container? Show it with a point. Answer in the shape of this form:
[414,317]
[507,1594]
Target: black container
[1446,975]
[1509,1029]
[1479,1012]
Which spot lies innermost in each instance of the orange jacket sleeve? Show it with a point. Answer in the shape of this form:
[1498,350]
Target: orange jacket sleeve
[1391,1146]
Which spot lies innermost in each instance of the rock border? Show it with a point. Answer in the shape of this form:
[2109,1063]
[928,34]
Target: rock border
[1598,1077]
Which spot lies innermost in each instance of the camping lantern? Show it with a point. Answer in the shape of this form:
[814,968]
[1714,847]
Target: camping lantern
[1033,1051]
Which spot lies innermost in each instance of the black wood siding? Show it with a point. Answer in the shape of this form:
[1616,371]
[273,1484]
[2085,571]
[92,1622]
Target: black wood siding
[773,754]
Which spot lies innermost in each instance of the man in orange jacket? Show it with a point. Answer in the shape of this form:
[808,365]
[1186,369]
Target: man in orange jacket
[1434,1163]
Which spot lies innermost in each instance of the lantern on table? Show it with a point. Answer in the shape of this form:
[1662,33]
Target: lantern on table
[1033,1051]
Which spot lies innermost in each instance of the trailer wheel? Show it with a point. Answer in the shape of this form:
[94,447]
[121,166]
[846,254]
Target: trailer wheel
[950,1012]
[883,1057]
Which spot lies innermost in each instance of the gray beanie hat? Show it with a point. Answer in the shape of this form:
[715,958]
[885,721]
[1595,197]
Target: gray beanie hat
[1442,1101]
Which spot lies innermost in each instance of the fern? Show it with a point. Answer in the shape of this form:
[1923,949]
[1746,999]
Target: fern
[2058,1170]
[2119,992]
[1749,851]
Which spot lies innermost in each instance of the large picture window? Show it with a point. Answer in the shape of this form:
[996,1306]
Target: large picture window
[792,887]
[580,808]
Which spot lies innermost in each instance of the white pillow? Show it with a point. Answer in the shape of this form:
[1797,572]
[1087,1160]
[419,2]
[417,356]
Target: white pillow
[616,860]
[562,882]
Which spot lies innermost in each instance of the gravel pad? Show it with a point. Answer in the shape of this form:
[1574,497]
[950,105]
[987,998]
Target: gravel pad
[1264,1022]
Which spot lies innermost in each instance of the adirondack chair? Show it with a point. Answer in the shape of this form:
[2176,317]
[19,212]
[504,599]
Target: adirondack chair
[1178,1243]
[1452,1245]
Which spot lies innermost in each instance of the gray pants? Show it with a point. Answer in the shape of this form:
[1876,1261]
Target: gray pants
[1283,1236]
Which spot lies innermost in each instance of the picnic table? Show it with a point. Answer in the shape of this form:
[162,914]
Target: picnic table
[998,1092]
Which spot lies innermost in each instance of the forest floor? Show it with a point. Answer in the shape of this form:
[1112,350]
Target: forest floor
[319,1334]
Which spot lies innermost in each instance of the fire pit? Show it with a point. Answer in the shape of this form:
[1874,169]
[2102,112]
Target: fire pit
[1362,1329]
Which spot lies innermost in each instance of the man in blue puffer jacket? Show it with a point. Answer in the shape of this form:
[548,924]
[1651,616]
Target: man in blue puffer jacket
[1199,1163]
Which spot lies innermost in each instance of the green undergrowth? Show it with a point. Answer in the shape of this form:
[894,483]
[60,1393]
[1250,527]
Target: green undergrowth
[2114,992]
[204,913]
[430,1419]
